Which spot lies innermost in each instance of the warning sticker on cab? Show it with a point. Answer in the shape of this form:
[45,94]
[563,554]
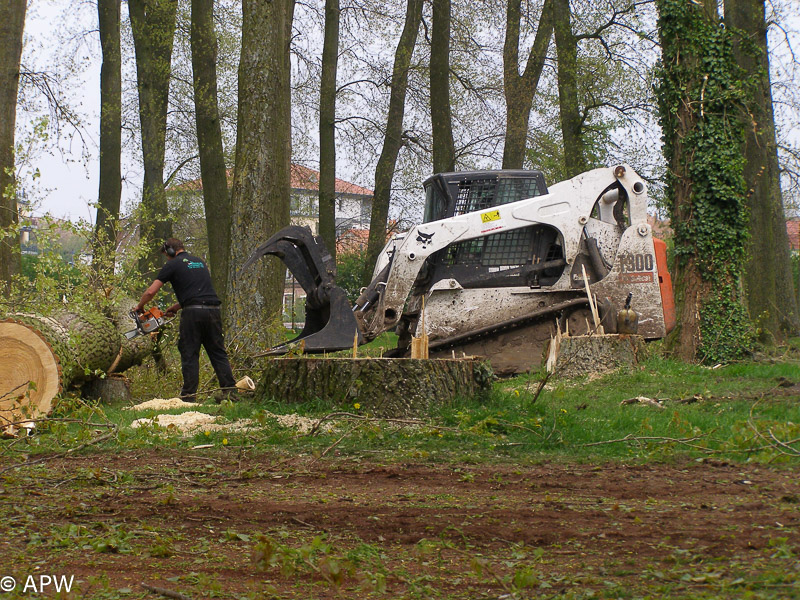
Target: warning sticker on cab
[488,217]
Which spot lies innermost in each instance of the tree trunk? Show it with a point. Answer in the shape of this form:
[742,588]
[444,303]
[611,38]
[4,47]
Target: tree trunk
[261,182]
[768,274]
[42,355]
[569,105]
[444,154]
[520,89]
[216,198]
[153,25]
[385,387]
[393,139]
[327,127]
[700,96]
[12,23]
[110,189]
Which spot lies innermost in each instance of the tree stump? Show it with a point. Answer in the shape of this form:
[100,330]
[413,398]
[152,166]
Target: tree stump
[586,354]
[114,389]
[385,387]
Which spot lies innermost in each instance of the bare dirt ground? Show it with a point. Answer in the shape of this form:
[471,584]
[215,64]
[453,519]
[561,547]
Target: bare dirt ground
[231,525]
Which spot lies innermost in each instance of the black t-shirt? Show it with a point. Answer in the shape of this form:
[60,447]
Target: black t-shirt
[190,280]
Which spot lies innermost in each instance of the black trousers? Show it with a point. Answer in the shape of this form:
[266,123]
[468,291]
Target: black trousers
[202,327]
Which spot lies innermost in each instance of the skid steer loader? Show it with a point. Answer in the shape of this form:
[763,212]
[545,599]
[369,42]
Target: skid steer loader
[498,263]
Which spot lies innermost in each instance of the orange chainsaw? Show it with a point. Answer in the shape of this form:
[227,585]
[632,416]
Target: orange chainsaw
[147,322]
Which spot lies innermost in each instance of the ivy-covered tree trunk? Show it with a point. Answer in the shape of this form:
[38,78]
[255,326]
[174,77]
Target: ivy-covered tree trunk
[327,127]
[568,102]
[261,180]
[12,23]
[393,138]
[216,198]
[153,26]
[110,187]
[768,274]
[520,89]
[444,154]
[700,97]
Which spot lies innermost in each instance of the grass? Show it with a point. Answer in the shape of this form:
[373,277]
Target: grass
[735,412]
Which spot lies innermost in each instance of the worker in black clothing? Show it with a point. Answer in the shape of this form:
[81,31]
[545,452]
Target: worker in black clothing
[201,319]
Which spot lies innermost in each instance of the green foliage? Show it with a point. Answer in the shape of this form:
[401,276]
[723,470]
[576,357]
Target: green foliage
[349,268]
[702,95]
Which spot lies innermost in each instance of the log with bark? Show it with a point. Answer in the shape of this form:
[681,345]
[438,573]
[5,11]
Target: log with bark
[41,356]
[385,387]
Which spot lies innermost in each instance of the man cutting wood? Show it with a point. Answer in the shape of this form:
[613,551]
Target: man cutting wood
[201,319]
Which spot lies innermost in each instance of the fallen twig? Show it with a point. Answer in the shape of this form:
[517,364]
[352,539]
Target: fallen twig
[658,439]
[11,391]
[165,592]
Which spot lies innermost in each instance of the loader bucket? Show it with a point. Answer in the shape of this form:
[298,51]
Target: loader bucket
[330,323]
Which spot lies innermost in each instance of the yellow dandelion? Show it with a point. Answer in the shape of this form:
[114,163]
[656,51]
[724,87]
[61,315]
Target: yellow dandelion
[356,406]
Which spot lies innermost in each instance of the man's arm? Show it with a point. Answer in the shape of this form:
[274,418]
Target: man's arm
[149,294]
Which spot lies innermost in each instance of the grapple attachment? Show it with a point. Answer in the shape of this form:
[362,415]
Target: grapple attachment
[330,323]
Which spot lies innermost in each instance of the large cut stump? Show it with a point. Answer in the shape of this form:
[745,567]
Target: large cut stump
[386,387]
[589,354]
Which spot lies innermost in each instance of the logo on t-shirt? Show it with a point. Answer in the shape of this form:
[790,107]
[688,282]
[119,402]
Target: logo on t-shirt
[195,265]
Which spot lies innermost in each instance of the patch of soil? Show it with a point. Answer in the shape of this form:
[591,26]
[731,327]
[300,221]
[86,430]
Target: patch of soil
[193,523]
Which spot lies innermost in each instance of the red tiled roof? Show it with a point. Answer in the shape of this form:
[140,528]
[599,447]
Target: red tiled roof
[302,178]
[793,230]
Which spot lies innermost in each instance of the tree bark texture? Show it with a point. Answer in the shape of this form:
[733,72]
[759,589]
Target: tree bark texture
[12,23]
[261,182]
[393,138]
[768,273]
[444,153]
[385,387]
[700,97]
[519,89]
[591,354]
[153,25]
[216,197]
[327,127]
[110,187]
[568,102]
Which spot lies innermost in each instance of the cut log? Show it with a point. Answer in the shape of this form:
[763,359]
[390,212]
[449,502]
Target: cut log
[42,355]
[134,351]
[385,387]
[588,354]
[30,372]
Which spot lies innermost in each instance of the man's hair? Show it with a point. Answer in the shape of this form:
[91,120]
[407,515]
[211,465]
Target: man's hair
[173,243]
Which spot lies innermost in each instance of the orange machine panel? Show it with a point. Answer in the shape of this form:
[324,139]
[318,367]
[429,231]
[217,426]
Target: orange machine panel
[665,283]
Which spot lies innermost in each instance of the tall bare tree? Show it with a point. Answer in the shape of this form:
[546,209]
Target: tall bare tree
[12,23]
[768,276]
[393,138]
[216,198]
[153,25]
[444,154]
[569,104]
[110,187]
[520,89]
[327,127]
[261,181]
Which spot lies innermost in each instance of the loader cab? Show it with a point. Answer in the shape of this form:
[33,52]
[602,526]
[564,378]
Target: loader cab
[531,256]
[451,194]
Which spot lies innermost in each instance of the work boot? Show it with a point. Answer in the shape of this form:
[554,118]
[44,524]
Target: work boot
[230,394]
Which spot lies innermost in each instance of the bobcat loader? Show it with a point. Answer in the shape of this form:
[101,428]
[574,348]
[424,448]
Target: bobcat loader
[498,263]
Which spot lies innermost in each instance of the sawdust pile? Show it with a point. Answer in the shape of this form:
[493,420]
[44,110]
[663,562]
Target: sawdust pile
[162,404]
[191,422]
